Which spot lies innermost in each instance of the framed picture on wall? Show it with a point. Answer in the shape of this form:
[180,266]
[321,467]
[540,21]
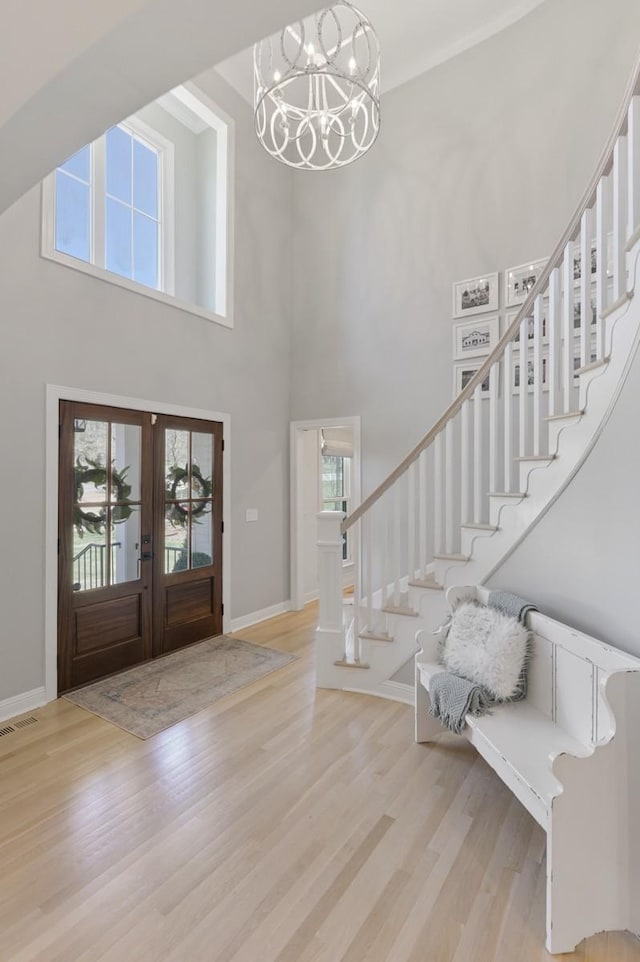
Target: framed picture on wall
[577,260]
[475,338]
[530,375]
[511,316]
[462,374]
[477,295]
[518,281]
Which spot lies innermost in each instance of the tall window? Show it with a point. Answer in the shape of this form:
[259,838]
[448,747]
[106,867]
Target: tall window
[149,207]
[109,201]
[336,491]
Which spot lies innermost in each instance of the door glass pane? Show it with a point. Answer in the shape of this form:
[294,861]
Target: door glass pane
[125,543]
[201,534]
[176,461]
[176,537]
[202,465]
[89,459]
[125,461]
[89,568]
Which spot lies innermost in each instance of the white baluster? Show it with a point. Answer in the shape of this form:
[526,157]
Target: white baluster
[438,499]
[397,513]
[464,462]
[568,328]
[477,454]
[494,377]
[602,259]
[538,377]
[620,214]
[586,240]
[387,579]
[523,390]
[368,535]
[448,485]
[555,344]
[633,171]
[506,413]
[411,521]
[356,548]
[422,513]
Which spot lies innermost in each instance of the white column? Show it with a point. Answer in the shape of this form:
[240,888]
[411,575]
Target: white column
[330,630]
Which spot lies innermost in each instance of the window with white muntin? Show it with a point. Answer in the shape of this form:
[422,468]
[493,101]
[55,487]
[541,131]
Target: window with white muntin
[113,202]
[149,206]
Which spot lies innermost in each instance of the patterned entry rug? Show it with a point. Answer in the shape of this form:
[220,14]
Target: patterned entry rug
[149,698]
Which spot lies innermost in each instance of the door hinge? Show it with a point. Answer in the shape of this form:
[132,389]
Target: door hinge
[222,448]
[58,545]
[222,526]
[59,431]
[222,609]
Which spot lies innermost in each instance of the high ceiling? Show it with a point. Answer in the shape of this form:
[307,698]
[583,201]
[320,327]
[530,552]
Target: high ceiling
[415,35]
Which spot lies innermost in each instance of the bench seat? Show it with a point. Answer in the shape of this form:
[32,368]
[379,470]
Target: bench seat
[570,754]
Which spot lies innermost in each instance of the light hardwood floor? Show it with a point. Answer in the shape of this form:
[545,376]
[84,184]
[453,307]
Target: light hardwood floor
[280,825]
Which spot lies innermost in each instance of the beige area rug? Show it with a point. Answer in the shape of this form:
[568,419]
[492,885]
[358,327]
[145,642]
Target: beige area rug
[149,698]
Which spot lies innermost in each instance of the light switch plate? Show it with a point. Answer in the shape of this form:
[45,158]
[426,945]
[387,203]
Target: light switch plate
[251,514]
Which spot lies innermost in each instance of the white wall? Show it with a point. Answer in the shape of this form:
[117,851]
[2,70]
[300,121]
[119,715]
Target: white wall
[62,326]
[479,166]
[581,563]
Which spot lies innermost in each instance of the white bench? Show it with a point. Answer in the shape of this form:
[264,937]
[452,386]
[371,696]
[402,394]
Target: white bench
[570,752]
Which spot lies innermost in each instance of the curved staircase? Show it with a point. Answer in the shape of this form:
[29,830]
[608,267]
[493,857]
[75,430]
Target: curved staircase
[504,450]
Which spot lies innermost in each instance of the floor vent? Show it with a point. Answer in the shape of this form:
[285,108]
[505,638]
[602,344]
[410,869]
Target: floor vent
[7,730]
[25,721]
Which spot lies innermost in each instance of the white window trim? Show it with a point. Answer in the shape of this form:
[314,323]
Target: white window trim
[197,101]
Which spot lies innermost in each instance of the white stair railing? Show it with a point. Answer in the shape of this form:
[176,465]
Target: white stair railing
[422,519]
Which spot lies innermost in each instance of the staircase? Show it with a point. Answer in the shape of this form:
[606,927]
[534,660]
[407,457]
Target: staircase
[504,450]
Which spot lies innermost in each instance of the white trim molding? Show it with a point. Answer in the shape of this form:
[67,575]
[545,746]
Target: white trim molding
[20,704]
[56,393]
[255,617]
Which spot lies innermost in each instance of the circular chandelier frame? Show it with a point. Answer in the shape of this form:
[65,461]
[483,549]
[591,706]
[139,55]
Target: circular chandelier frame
[317,90]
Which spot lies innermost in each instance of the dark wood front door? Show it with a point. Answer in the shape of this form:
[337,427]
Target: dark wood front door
[187,594]
[140,541]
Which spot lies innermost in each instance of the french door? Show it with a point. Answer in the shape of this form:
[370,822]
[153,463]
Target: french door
[140,538]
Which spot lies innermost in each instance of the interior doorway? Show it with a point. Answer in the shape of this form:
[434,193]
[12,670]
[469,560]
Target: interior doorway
[139,537]
[325,475]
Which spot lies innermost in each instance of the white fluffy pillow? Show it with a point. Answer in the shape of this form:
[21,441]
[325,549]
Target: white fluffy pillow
[488,647]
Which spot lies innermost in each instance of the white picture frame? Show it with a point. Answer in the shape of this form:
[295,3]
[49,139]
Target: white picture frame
[515,372]
[519,280]
[476,338]
[577,311]
[577,259]
[510,317]
[463,371]
[476,295]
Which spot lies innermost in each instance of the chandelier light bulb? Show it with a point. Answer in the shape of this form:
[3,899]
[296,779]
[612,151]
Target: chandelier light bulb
[317,89]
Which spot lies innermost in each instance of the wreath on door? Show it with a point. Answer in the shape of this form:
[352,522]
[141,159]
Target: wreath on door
[95,473]
[201,487]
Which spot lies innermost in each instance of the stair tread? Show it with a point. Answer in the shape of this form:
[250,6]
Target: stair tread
[374,635]
[429,582]
[507,494]
[400,610]
[452,557]
[479,527]
[593,366]
[537,457]
[343,663]
[567,415]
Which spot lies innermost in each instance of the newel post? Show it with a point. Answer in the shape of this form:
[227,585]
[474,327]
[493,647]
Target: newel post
[330,630]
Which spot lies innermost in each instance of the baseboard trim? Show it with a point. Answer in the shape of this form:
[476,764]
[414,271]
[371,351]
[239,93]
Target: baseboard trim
[255,617]
[19,704]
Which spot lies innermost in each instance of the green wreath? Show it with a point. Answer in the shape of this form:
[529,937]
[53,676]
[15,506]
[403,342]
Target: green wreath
[177,475]
[93,472]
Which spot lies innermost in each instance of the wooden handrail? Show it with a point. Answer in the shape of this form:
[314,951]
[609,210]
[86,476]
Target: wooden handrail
[588,199]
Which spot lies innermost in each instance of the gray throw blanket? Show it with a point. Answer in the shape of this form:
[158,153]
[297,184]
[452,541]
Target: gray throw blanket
[452,697]
[511,605]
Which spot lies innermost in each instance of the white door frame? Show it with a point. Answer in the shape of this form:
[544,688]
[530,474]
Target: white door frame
[297,430]
[57,393]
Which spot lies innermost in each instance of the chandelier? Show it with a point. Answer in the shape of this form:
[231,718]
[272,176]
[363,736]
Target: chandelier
[317,89]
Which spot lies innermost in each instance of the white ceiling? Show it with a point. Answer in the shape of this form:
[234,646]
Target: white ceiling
[415,35]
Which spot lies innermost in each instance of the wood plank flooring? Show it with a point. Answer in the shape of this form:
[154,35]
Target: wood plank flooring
[280,825]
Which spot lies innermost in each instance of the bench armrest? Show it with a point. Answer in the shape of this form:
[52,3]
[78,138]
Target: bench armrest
[429,646]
